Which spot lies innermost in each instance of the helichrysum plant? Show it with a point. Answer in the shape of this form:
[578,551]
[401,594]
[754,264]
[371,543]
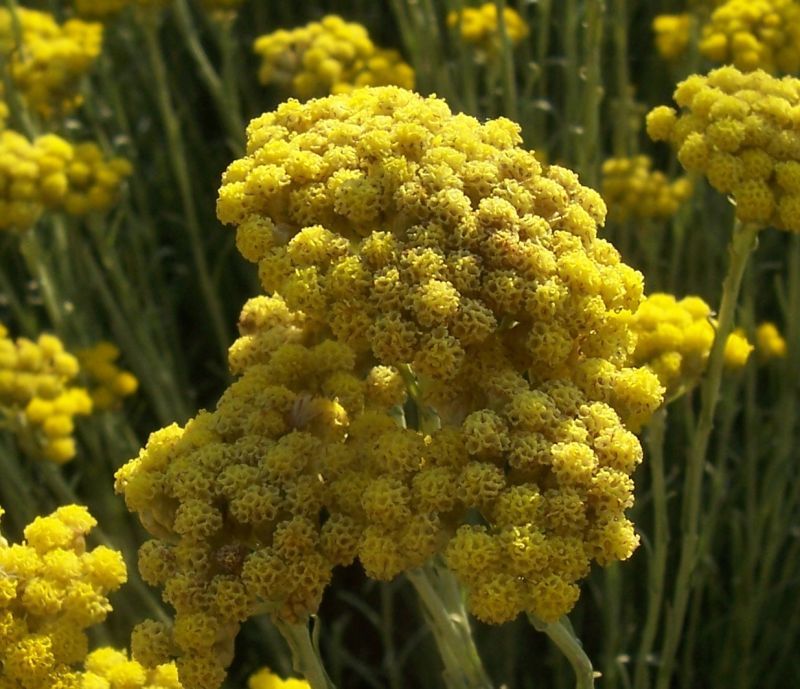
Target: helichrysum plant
[329,56]
[738,129]
[674,338]
[108,384]
[413,257]
[480,27]
[53,590]
[633,190]
[754,34]
[47,60]
[38,395]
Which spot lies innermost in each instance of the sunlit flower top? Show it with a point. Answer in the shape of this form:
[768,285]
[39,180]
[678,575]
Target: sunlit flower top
[674,339]
[632,189]
[423,238]
[38,397]
[48,65]
[755,34]
[740,131]
[52,589]
[108,384]
[329,56]
[480,26]
[443,336]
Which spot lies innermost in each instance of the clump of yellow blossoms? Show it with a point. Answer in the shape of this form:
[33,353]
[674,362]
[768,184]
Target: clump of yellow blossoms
[38,401]
[424,238]
[755,34]
[406,250]
[672,34]
[264,679]
[480,27]
[770,344]
[93,181]
[48,65]
[329,56]
[632,189]
[51,173]
[674,339]
[108,383]
[740,131]
[51,590]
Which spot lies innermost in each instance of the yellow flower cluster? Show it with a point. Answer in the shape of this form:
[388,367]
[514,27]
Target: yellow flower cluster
[674,339]
[770,344]
[93,181]
[672,34]
[48,65]
[632,189]
[51,590]
[329,56]
[37,399]
[108,384]
[740,131]
[265,679]
[480,27]
[50,172]
[423,238]
[108,668]
[404,248]
[755,34]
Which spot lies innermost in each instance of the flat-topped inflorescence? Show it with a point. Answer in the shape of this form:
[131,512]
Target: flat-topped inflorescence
[754,34]
[328,56]
[38,395]
[740,131]
[422,238]
[633,190]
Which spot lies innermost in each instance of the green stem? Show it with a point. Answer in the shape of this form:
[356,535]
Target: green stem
[447,619]
[228,108]
[742,244]
[177,155]
[507,57]
[656,433]
[563,636]
[589,149]
[305,655]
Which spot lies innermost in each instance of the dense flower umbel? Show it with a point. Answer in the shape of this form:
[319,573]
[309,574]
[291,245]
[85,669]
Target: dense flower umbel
[264,679]
[51,590]
[755,34]
[52,173]
[631,189]
[674,339]
[38,400]
[424,238]
[480,26]
[741,132]
[405,249]
[329,56]
[108,384]
[48,65]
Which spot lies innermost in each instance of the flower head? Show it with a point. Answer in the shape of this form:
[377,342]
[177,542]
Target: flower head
[739,131]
